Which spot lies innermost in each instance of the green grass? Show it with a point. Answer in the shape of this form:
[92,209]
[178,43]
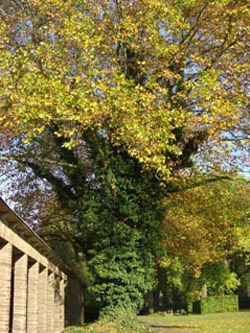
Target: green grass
[236,322]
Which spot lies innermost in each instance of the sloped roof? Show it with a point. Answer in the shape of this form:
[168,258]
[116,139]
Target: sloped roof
[18,225]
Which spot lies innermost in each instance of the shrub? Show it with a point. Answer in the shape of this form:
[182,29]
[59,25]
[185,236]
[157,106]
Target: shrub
[214,304]
[119,320]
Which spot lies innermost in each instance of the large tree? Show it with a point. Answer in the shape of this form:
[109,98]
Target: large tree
[106,104]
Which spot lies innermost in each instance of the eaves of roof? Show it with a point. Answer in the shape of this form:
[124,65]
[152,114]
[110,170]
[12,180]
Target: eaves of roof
[18,225]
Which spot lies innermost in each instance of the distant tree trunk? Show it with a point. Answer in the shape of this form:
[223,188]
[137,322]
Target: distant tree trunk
[156,299]
[204,291]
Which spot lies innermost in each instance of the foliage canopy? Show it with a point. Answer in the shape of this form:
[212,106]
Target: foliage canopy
[157,78]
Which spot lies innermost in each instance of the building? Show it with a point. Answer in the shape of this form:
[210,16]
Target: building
[34,282]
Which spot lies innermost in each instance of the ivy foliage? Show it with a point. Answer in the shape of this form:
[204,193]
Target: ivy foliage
[114,236]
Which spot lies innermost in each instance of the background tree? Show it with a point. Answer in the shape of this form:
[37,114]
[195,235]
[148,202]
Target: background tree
[107,104]
[205,233]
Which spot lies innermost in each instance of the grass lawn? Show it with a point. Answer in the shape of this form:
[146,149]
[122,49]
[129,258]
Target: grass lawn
[236,322]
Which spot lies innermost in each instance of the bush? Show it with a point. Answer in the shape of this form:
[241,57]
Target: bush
[118,320]
[214,304]
[119,315]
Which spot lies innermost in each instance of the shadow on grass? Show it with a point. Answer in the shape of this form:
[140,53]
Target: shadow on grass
[170,326]
[161,325]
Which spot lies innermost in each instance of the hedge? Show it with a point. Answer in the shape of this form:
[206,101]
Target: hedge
[212,304]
